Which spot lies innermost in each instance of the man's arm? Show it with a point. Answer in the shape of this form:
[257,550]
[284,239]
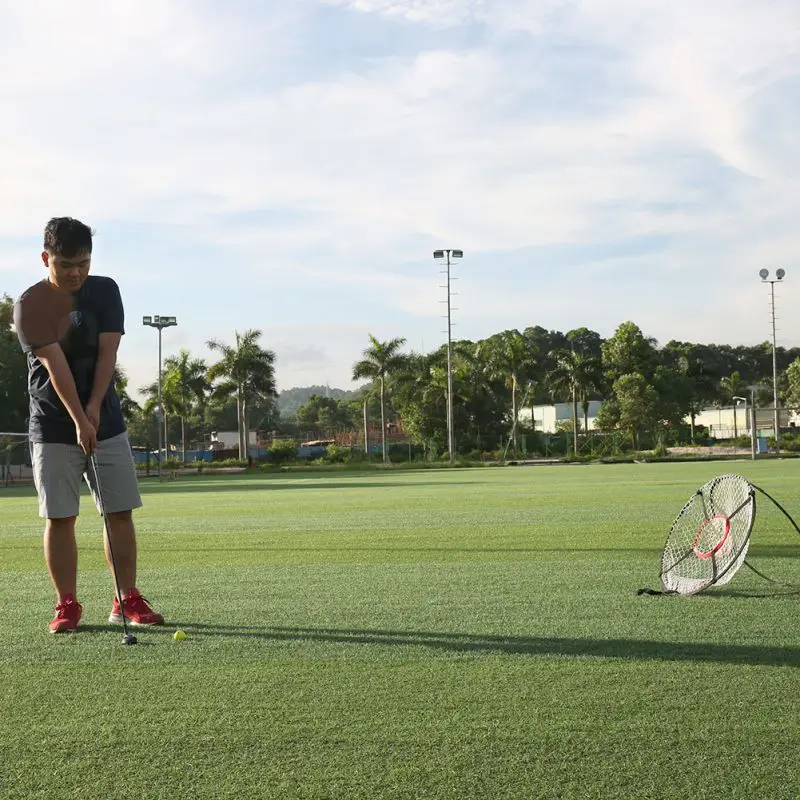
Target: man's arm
[52,356]
[108,344]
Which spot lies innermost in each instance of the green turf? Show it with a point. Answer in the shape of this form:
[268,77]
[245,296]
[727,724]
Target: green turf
[436,634]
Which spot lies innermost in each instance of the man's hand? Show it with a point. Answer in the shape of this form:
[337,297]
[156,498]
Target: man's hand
[87,436]
[93,413]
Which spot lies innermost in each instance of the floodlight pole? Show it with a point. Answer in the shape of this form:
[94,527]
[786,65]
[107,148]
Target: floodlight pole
[451,439]
[779,276]
[160,322]
[752,423]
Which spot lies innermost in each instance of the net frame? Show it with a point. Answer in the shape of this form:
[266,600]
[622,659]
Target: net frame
[709,538]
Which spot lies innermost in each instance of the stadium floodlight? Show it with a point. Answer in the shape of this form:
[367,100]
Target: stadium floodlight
[780,274]
[451,439]
[160,322]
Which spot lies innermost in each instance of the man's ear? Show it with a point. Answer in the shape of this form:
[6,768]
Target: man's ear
[46,259]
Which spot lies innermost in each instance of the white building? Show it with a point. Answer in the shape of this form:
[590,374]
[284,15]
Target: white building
[229,440]
[719,421]
[546,418]
[725,423]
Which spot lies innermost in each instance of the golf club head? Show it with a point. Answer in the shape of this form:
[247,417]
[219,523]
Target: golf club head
[129,638]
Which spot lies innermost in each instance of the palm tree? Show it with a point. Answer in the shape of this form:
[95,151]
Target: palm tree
[379,361]
[508,358]
[246,370]
[574,375]
[129,406]
[733,386]
[150,392]
[185,387]
[593,383]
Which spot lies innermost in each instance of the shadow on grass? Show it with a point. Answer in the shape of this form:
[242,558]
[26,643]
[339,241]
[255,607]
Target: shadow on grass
[783,590]
[109,628]
[282,483]
[775,550]
[399,549]
[627,649]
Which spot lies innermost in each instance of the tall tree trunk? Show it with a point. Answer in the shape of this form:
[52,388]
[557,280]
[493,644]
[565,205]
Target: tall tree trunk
[383,427]
[240,423]
[366,432]
[245,429]
[183,439]
[735,425]
[514,412]
[574,420]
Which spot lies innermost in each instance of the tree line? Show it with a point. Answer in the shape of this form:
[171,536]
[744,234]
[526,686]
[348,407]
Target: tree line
[644,388]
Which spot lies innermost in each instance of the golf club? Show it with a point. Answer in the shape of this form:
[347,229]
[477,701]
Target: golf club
[127,637]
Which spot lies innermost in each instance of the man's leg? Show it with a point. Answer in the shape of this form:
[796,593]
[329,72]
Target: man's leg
[123,540]
[61,555]
[56,470]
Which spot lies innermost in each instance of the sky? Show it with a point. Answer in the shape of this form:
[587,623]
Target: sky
[291,166]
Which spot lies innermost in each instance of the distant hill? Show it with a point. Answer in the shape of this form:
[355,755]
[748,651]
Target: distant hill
[290,400]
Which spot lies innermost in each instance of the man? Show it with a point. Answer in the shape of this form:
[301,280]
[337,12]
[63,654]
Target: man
[70,325]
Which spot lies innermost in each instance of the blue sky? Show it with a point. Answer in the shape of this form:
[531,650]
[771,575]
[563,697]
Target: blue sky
[291,166]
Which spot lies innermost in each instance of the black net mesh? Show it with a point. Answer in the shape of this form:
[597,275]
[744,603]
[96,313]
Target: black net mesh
[708,540]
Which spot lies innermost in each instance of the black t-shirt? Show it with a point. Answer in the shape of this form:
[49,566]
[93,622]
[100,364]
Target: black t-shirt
[44,316]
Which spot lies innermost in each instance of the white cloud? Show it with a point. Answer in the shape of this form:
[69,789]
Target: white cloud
[434,12]
[554,123]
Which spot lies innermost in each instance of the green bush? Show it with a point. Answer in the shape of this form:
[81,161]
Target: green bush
[283,450]
[661,450]
[788,442]
[337,454]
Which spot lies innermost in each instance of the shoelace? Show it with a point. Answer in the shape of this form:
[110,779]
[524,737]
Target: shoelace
[61,608]
[138,604]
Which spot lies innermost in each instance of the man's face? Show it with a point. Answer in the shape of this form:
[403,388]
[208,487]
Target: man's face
[67,274]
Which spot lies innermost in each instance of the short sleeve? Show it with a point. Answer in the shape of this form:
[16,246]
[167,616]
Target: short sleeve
[110,312]
[35,323]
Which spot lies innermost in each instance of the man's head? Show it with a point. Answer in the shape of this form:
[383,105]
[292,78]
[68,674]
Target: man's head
[67,252]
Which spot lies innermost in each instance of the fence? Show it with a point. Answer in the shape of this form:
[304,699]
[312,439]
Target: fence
[15,458]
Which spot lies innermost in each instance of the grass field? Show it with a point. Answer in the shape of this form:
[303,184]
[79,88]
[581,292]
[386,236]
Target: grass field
[435,634]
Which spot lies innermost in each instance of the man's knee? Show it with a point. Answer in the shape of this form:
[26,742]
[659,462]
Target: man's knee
[60,524]
[120,517]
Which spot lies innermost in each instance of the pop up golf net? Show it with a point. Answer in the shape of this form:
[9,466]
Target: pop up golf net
[709,539]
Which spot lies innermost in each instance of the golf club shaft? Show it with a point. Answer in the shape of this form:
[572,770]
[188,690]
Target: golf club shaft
[106,528]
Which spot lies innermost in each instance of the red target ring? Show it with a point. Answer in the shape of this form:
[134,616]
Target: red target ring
[709,521]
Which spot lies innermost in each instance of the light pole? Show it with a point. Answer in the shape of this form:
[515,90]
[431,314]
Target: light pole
[160,322]
[779,276]
[451,439]
[752,423]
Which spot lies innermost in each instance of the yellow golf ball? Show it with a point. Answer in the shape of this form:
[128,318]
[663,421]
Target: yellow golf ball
[179,636]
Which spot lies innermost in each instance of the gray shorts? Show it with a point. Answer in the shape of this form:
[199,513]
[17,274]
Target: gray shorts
[57,472]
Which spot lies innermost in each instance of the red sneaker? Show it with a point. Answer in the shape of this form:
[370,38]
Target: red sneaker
[137,611]
[68,615]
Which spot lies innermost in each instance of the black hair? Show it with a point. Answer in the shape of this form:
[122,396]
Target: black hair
[68,237]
